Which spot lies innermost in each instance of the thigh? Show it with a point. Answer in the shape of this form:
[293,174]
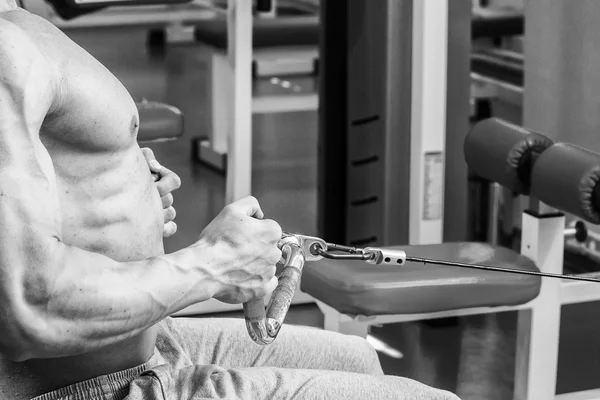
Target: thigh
[212,382]
[225,342]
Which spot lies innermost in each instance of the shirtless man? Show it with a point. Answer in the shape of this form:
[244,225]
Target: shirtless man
[85,287]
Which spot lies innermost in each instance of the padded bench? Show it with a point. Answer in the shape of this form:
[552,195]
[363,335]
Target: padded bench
[159,121]
[356,288]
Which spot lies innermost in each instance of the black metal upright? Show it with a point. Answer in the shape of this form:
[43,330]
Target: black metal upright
[332,142]
[457,201]
[364,121]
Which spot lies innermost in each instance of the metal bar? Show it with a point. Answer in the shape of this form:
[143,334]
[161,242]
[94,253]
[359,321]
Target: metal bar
[428,135]
[239,145]
[493,217]
[332,163]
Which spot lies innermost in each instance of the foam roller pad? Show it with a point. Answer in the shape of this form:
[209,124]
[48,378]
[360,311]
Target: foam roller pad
[502,152]
[565,177]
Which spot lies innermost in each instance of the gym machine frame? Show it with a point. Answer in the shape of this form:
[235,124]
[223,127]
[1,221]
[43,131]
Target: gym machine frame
[228,147]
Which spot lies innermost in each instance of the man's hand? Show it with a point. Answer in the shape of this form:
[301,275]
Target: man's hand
[243,252]
[166,182]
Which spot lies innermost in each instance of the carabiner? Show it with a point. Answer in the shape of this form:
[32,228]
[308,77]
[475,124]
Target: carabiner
[344,252]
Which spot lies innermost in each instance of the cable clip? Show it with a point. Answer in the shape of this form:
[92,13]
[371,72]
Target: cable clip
[316,249]
[340,252]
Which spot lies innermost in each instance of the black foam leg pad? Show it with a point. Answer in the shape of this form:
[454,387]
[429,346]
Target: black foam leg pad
[504,153]
[565,177]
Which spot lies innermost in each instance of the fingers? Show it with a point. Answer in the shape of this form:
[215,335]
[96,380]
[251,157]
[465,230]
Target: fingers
[151,160]
[275,256]
[168,182]
[167,200]
[270,230]
[248,206]
[169,214]
[148,153]
[271,286]
[169,229]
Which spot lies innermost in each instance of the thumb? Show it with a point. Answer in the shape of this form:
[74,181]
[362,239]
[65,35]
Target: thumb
[151,160]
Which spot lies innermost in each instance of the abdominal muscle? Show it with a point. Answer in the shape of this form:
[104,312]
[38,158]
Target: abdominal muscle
[118,214]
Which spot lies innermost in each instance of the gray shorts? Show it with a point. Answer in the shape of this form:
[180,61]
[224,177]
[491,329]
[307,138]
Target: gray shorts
[211,358]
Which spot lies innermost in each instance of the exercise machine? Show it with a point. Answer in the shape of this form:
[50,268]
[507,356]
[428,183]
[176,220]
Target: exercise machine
[354,296]
[241,43]
[432,281]
[269,37]
[342,182]
[384,120]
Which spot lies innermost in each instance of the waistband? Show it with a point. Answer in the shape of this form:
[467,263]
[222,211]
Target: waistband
[113,386]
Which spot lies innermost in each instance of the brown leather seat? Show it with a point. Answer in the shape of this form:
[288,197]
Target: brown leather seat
[159,121]
[357,288]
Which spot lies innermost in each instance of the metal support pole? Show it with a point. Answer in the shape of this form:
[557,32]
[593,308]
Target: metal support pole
[239,145]
[428,120]
[538,328]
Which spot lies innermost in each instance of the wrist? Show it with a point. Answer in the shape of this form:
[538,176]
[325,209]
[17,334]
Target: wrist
[201,263]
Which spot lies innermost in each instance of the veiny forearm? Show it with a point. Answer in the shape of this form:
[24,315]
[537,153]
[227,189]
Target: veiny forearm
[86,301]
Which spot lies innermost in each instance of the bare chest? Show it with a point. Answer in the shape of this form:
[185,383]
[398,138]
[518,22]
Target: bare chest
[95,111]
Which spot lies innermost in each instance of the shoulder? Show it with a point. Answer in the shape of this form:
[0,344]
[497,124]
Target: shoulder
[25,72]
[16,48]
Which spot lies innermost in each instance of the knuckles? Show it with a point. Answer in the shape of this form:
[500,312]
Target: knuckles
[229,210]
[252,200]
[272,229]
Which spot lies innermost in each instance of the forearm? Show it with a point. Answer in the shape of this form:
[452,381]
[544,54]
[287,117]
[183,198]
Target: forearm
[86,301]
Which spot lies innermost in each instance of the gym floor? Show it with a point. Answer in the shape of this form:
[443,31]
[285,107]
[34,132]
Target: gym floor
[284,181]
